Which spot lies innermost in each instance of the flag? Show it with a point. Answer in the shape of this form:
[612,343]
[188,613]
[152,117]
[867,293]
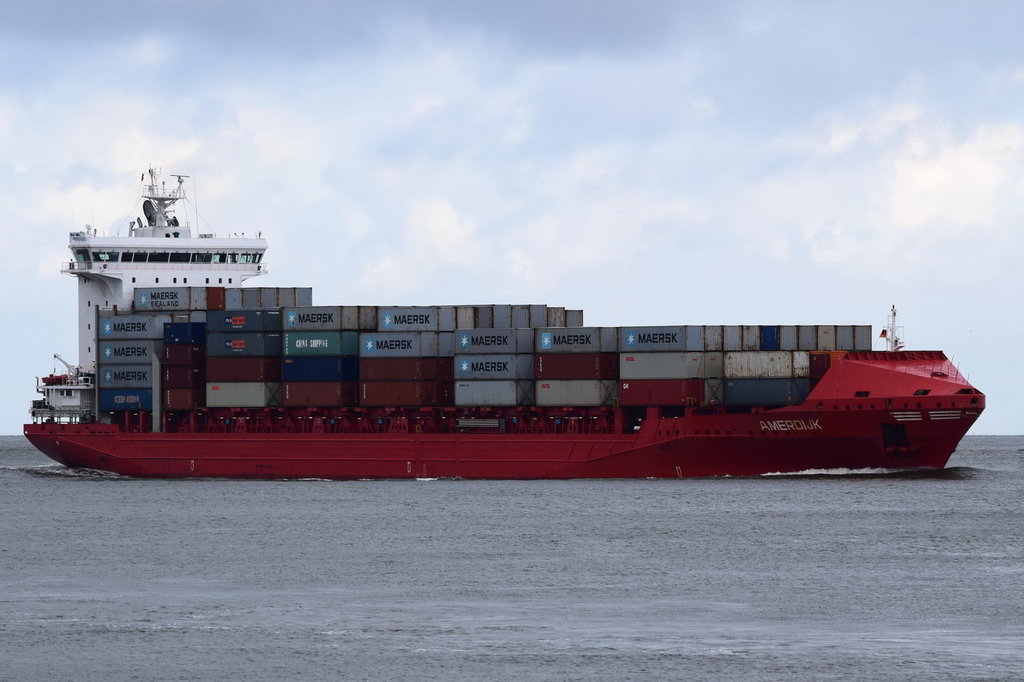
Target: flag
[884,334]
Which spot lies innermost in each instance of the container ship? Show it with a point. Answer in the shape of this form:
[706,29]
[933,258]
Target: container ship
[184,372]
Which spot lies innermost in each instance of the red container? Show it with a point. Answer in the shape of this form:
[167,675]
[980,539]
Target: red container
[819,364]
[406,369]
[686,392]
[259,369]
[215,298]
[183,376]
[184,398]
[406,393]
[319,393]
[181,354]
[576,366]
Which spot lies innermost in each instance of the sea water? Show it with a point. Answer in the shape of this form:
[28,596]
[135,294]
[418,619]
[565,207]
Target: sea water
[828,576]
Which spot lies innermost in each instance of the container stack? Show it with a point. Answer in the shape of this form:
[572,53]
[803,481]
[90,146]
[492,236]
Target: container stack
[320,364]
[270,347]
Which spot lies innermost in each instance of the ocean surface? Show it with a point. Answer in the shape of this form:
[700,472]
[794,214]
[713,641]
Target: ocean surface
[878,576]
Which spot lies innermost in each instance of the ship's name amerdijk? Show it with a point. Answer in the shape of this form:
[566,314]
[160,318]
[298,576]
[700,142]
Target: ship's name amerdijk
[791,425]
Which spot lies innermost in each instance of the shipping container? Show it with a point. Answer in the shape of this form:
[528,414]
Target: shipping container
[807,337]
[802,363]
[132,326]
[169,298]
[826,337]
[732,337]
[484,317]
[180,399]
[575,393]
[253,298]
[694,337]
[185,332]
[486,341]
[319,318]
[125,376]
[319,393]
[215,298]
[121,400]
[228,344]
[367,317]
[863,338]
[773,392]
[184,354]
[788,338]
[405,369]
[236,369]
[714,390]
[685,392]
[759,364]
[320,343]
[575,366]
[320,369]
[844,337]
[493,367]
[234,320]
[688,365]
[769,338]
[556,317]
[398,344]
[465,317]
[751,337]
[652,338]
[406,393]
[520,316]
[713,337]
[181,376]
[819,364]
[507,393]
[128,352]
[243,394]
[446,318]
[538,316]
[410,319]
[581,340]
[574,318]
[501,317]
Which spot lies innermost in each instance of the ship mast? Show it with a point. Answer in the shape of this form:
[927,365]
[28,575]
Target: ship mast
[892,334]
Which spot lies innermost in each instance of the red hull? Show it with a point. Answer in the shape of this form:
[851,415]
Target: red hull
[889,427]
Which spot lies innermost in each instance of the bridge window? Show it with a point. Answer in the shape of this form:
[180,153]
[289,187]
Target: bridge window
[81,255]
[159,257]
[922,391]
[105,256]
[180,258]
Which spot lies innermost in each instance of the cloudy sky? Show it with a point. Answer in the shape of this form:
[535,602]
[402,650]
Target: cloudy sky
[651,162]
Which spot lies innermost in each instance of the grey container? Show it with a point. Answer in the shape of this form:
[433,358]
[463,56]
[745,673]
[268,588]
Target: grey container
[751,337]
[501,317]
[128,352]
[788,337]
[125,376]
[446,318]
[398,344]
[445,344]
[714,392]
[139,326]
[684,365]
[575,393]
[520,316]
[576,340]
[573,318]
[486,341]
[412,319]
[325,318]
[863,337]
[170,298]
[484,317]
[732,337]
[807,337]
[694,337]
[826,337]
[759,364]
[556,317]
[465,317]
[652,339]
[491,367]
[713,337]
[505,393]
[538,316]
[243,394]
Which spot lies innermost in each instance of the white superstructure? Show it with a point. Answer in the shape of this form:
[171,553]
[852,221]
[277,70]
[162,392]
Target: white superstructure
[160,250]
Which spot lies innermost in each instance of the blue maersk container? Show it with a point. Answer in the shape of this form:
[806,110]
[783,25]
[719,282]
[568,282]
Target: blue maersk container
[314,368]
[185,332]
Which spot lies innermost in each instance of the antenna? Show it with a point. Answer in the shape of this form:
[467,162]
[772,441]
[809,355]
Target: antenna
[892,334]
